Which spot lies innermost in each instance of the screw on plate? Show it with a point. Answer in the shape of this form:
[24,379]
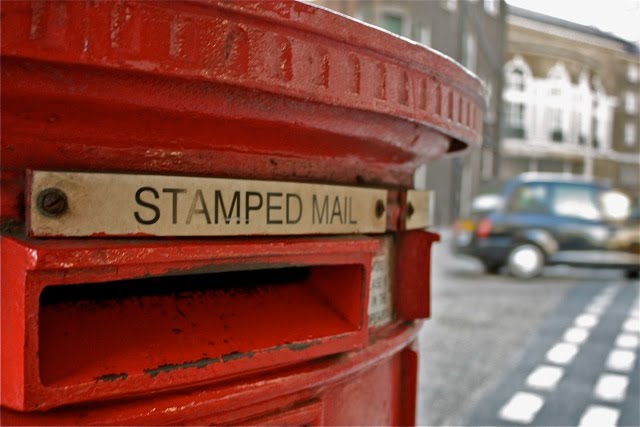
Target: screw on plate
[379,208]
[410,210]
[52,202]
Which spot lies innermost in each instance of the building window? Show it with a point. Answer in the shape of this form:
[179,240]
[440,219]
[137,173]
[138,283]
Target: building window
[515,80]
[469,55]
[632,73]
[630,134]
[631,102]
[556,125]
[558,102]
[451,5]
[492,7]
[517,75]
[423,34]
[596,126]
[393,22]
[629,176]
[514,120]
[602,116]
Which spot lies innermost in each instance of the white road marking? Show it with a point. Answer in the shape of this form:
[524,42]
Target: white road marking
[632,325]
[621,360]
[599,416]
[562,353]
[611,387]
[596,308]
[586,320]
[521,408]
[576,335]
[545,377]
[627,341]
[602,300]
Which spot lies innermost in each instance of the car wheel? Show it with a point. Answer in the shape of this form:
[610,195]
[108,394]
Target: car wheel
[632,274]
[525,261]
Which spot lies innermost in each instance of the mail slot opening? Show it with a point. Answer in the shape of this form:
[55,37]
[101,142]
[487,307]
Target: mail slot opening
[94,332]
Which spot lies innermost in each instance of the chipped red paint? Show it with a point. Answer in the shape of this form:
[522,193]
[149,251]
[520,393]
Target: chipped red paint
[94,329]
[83,346]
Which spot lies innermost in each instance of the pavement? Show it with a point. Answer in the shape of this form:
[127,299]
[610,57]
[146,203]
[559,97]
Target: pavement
[558,350]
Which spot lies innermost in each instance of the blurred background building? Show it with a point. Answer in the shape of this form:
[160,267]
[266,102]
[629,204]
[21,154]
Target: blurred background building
[570,101]
[562,97]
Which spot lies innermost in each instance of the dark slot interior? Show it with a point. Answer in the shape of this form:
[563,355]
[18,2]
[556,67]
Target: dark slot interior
[108,331]
[164,286]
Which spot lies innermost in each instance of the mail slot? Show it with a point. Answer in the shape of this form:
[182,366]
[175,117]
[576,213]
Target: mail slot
[207,214]
[163,324]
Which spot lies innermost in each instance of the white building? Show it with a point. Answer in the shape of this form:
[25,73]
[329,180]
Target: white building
[570,101]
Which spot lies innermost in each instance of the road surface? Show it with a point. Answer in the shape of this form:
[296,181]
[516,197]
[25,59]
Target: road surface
[558,350]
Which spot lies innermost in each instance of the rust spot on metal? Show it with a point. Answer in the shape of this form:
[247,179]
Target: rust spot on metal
[12,226]
[299,346]
[112,377]
[235,355]
[168,367]
[236,50]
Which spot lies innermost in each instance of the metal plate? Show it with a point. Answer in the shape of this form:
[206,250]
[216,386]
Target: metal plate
[380,293]
[419,209]
[124,205]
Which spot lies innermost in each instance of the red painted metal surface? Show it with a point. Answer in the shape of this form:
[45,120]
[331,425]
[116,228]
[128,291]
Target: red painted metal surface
[272,90]
[69,344]
[215,331]
[357,388]
[413,273]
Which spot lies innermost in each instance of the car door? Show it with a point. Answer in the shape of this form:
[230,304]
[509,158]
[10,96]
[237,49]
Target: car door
[577,218]
[526,215]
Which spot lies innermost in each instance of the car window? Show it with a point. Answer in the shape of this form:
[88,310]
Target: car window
[577,201]
[529,198]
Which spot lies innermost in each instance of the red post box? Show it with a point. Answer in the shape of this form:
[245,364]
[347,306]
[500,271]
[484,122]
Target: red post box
[207,214]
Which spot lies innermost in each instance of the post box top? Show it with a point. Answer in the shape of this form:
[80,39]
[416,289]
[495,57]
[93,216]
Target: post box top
[198,80]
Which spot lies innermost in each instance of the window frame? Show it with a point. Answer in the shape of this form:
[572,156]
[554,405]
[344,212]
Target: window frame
[470,53]
[633,72]
[630,134]
[421,28]
[630,102]
[398,11]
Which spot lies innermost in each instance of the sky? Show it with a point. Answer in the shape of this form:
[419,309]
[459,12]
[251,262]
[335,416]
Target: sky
[620,17]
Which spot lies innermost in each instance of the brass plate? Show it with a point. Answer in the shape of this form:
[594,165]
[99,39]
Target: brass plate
[420,204]
[103,204]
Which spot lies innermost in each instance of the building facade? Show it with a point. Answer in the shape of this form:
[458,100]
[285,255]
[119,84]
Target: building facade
[473,33]
[570,101]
